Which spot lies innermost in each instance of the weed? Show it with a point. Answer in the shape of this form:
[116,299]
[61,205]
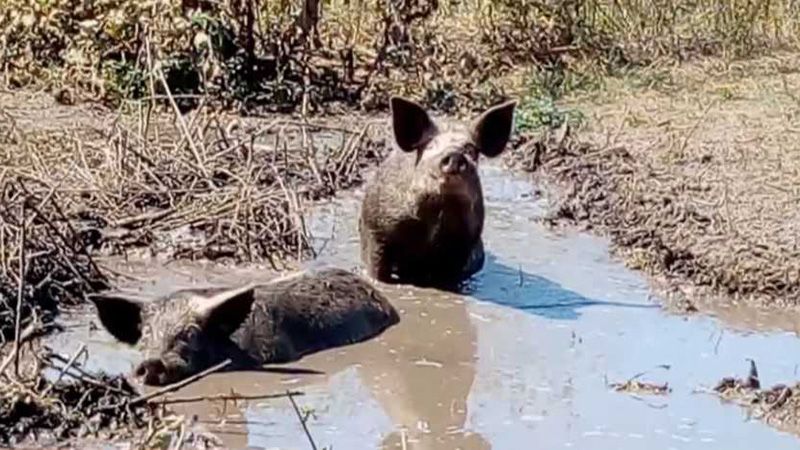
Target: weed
[543,112]
[539,107]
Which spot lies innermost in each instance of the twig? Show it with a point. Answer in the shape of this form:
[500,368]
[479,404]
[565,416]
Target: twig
[641,374]
[21,287]
[225,397]
[64,369]
[151,85]
[719,340]
[175,386]
[302,421]
[183,127]
[30,331]
[695,125]
[181,437]
[33,329]
[145,217]
[82,375]
[66,242]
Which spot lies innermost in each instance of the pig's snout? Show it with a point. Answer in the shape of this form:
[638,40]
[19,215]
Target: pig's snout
[152,372]
[453,163]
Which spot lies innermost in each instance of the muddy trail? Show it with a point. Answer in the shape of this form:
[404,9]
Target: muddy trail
[530,353]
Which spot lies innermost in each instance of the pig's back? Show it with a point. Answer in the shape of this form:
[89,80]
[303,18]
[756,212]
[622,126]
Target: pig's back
[314,311]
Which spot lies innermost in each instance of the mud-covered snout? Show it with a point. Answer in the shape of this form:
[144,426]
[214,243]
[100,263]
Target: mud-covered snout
[152,372]
[166,368]
[454,163]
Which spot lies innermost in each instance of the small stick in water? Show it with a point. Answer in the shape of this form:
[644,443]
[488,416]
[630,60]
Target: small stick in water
[302,421]
[172,387]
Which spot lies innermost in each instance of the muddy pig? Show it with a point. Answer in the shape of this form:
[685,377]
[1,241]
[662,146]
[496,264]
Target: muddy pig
[276,322]
[422,214]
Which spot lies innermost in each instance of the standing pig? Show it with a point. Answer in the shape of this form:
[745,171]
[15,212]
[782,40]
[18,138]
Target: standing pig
[276,322]
[422,214]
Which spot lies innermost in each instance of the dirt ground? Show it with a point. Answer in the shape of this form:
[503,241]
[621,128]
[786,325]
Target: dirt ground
[693,172]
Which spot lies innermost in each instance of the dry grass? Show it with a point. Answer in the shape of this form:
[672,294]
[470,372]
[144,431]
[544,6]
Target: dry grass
[205,185]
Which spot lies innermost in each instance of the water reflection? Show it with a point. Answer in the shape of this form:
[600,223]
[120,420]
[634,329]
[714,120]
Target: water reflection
[418,373]
[424,383]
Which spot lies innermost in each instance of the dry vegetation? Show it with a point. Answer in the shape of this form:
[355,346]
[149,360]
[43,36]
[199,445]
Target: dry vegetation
[82,405]
[171,173]
[636,387]
[453,55]
[778,406]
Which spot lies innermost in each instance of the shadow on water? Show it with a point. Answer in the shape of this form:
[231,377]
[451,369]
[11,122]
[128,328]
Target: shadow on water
[283,370]
[516,288]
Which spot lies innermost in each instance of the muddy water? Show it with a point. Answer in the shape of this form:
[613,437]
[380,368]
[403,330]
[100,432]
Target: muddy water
[521,361]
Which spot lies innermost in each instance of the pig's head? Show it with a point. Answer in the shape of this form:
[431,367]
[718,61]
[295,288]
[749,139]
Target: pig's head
[447,159]
[181,334]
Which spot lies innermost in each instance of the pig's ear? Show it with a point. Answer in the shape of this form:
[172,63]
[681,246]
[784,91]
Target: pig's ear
[411,124]
[225,311]
[120,315]
[492,130]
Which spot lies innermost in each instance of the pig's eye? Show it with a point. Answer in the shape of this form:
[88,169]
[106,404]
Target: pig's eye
[471,151]
[190,334]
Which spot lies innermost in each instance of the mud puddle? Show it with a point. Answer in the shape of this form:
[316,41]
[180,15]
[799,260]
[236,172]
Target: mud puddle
[526,357]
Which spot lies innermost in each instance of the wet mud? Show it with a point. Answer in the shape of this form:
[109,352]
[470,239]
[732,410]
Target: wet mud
[529,353]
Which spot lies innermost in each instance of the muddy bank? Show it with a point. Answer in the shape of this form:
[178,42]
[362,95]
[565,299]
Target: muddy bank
[678,230]
[692,171]
[674,228]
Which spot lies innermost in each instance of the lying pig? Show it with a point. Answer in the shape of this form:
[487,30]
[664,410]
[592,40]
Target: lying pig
[422,214]
[276,322]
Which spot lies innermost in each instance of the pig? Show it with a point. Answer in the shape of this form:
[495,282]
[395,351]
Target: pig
[276,322]
[422,214]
